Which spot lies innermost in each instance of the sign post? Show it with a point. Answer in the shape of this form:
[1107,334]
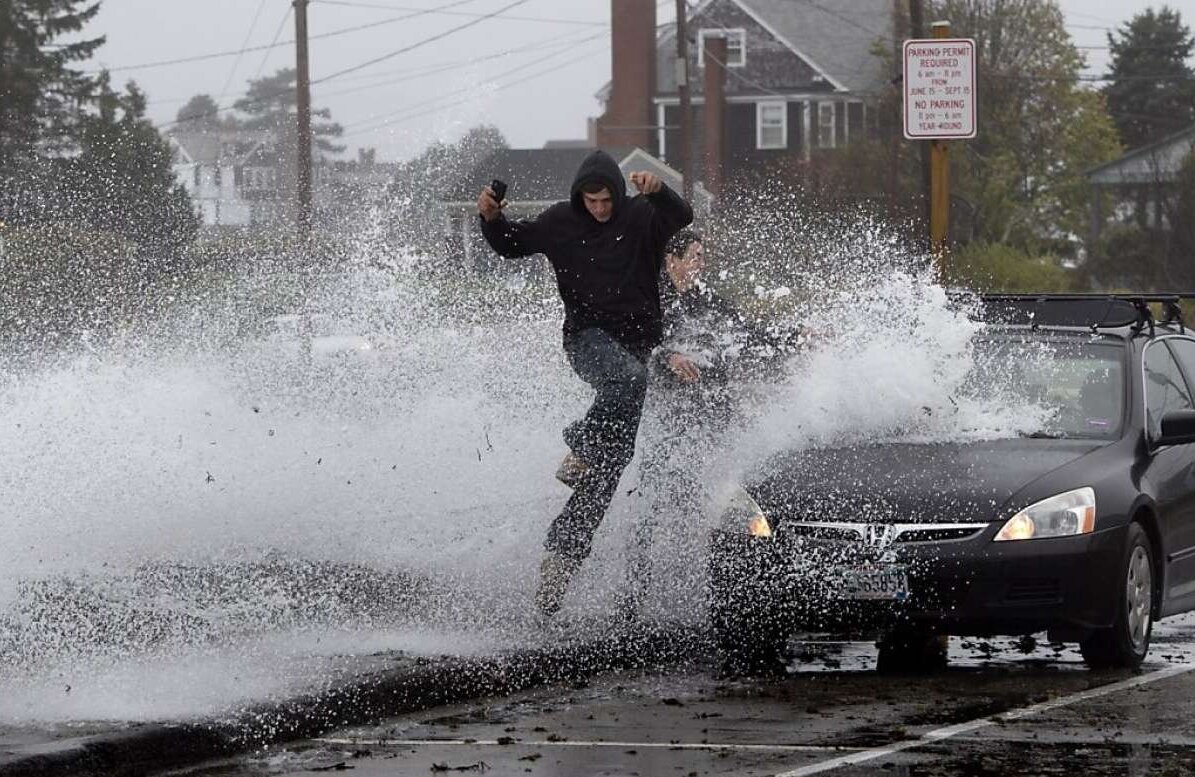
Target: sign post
[939,105]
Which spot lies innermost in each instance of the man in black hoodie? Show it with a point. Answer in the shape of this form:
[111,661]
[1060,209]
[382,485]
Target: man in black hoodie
[606,250]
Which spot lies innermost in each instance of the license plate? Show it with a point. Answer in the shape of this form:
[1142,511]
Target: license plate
[888,583]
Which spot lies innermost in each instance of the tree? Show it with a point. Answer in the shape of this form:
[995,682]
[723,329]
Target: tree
[1038,129]
[41,96]
[122,180]
[421,183]
[272,105]
[1152,88]
[202,114]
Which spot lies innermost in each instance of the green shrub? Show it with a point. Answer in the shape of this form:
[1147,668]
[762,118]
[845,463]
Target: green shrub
[62,278]
[995,267]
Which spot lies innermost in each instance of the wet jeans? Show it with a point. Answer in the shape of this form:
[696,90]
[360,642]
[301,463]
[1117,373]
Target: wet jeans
[604,439]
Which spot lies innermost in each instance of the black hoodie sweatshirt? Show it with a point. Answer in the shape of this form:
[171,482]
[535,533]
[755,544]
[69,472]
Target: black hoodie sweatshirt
[608,273]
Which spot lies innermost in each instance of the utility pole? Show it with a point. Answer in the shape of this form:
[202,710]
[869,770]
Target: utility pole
[682,90]
[889,126]
[939,176]
[917,31]
[303,150]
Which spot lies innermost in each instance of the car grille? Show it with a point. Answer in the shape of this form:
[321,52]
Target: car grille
[882,534]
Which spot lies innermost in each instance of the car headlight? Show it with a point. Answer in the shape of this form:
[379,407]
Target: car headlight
[1064,515]
[741,512]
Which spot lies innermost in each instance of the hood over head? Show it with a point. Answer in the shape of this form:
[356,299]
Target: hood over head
[601,168]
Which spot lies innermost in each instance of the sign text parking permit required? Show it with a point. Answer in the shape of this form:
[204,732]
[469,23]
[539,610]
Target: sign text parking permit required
[939,88]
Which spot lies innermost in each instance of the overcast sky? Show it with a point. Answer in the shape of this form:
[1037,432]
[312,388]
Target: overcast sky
[532,69]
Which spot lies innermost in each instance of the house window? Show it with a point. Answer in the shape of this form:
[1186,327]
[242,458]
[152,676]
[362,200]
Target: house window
[771,124]
[736,45]
[825,125]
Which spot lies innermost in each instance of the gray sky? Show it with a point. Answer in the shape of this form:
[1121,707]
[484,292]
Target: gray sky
[532,70]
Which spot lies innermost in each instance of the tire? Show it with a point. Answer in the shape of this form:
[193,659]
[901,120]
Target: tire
[1125,643]
[748,629]
[911,650]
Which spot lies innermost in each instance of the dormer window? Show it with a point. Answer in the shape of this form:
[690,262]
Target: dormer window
[736,45]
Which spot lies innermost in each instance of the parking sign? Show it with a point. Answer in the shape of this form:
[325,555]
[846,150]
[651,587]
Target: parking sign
[939,88]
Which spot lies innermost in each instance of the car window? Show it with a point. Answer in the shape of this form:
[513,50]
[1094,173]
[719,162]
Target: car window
[1184,350]
[1078,384]
[1165,389]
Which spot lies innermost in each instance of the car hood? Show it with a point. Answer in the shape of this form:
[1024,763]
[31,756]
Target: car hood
[909,482]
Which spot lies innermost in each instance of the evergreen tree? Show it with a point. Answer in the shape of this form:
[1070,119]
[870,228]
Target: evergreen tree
[271,104]
[202,114]
[122,180]
[41,96]
[1152,89]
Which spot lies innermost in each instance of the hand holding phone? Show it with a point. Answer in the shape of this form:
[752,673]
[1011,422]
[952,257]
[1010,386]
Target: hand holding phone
[499,189]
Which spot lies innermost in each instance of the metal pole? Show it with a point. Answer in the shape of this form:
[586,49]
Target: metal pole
[303,150]
[682,90]
[939,164]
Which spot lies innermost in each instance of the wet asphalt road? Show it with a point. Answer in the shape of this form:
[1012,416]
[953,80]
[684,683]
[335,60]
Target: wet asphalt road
[1002,708]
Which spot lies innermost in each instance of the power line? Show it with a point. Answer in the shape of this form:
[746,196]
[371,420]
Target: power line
[417,44]
[386,78]
[558,41]
[244,44]
[438,109]
[546,20]
[438,98]
[277,34]
[446,67]
[276,43]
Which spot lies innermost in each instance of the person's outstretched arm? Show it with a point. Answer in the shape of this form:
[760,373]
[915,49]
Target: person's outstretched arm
[511,239]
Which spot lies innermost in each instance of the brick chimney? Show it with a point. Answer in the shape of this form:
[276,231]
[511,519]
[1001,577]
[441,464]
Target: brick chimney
[715,114]
[629,118]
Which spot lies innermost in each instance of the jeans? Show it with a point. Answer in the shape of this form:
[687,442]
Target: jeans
[604,439]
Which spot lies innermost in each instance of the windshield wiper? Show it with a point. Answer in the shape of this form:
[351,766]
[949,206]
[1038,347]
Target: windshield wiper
[1041,435]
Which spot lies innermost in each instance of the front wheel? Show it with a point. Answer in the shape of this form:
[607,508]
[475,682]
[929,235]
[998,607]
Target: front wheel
[1124,644]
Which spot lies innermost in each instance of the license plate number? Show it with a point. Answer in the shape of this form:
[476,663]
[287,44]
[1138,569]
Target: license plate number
[878,583]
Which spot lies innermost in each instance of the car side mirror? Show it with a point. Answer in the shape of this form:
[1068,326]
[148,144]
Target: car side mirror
[1178,428]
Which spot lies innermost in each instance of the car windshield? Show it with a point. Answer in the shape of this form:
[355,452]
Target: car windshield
[1077,382]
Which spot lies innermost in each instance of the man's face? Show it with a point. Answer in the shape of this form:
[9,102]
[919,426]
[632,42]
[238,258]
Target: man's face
[599,205]
[685,270]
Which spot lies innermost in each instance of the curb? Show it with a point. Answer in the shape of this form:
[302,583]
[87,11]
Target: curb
[154,748]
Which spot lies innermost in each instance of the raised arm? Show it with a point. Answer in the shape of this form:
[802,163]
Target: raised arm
[672,212]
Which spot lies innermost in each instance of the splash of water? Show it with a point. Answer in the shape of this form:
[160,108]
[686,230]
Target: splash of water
[210,483]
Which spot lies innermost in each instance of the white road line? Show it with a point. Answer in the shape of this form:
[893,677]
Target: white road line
[963,728]
[349,741]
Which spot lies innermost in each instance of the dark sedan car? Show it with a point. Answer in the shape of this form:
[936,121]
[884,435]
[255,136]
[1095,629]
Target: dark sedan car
[1083,527]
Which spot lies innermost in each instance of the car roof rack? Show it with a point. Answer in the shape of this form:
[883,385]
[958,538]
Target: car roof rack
[1095,311]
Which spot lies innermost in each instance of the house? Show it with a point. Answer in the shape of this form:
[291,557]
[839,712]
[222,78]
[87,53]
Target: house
[233,176]
[1146,175]
[799,75]
[537,178]
[241,178]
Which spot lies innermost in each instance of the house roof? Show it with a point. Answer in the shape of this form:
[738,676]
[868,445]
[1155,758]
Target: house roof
[835,37]
[1159,161]
[208,147]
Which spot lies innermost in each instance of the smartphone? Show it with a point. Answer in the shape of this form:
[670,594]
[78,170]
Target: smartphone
[499,189]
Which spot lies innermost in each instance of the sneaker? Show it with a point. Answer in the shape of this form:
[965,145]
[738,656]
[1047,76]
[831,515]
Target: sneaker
[571,470]
[555,572]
